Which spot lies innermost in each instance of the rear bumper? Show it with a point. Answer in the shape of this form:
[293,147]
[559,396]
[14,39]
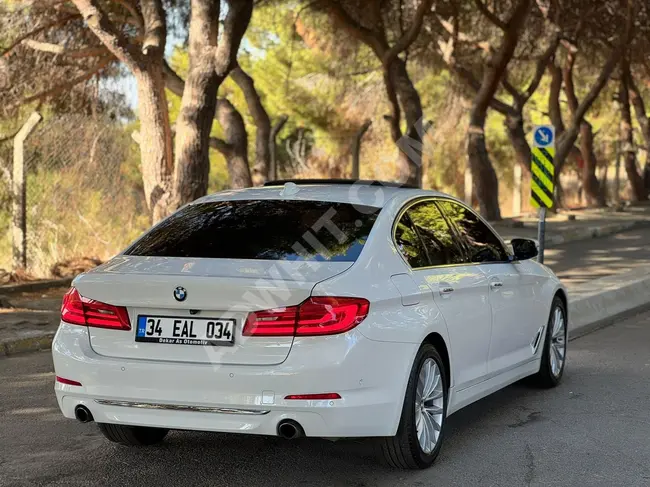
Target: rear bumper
[370,376]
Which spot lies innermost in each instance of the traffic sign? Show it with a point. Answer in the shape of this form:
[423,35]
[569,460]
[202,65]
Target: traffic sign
[544,136]
[542,183]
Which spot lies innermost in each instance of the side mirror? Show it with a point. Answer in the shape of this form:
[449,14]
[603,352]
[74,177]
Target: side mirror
[524,249]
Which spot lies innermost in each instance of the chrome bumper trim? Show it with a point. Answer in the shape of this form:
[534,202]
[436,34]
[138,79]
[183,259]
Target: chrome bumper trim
[179,407]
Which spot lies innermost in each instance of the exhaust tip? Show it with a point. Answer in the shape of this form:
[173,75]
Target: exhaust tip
[290,429]
[83,414]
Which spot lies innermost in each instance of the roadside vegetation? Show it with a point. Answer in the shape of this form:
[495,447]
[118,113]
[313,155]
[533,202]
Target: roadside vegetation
[148,105]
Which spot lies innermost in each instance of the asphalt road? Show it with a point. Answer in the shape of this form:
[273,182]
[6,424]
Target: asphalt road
[592,430]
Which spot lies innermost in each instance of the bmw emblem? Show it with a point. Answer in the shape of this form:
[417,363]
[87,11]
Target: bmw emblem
[180,293]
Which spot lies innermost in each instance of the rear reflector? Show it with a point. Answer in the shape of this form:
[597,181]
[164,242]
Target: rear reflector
[78,310]
[314,317]
[67,381]
[313,397]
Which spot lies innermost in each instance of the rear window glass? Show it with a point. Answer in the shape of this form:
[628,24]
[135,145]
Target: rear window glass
[262,229]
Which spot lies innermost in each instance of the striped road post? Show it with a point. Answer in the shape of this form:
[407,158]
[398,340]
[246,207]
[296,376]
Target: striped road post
[542,183]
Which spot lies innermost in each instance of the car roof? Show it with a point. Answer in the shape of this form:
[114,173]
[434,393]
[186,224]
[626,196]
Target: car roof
[360,193]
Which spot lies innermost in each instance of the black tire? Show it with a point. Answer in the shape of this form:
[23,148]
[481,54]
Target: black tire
[132,435]
[403,450]
[545,378]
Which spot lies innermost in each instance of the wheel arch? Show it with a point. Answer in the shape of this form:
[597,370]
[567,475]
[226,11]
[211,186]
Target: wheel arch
[561,293]
[438,341]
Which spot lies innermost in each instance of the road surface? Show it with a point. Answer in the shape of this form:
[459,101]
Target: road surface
[592,430]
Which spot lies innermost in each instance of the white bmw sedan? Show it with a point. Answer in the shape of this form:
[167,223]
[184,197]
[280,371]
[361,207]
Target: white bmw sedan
[313,309]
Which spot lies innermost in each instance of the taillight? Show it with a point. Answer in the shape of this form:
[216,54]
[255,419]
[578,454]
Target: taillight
[78,310]
[314,317]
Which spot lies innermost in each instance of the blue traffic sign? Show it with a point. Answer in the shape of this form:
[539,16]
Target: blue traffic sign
[544,136]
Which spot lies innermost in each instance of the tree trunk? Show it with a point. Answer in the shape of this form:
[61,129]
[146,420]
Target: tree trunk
[644,123]
[486,184]
[485,179]
[356,148]
[639,192]
[212,58]
[155,140]
[235,145]
[594,197]
[410,144]
[273,146]
[262,124]
[517,136]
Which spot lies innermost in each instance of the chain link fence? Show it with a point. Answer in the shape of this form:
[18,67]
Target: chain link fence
[83,192]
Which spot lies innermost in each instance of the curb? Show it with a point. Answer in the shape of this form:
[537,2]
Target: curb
[603,302]
[35,342]
[34,286]
[594,232]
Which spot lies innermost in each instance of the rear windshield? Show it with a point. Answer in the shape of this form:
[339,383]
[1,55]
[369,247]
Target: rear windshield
[262,229]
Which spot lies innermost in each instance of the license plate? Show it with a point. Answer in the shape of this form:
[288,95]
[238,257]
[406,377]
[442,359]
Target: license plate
[185,331]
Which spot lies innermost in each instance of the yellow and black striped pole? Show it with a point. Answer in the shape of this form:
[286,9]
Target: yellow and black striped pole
[542,184]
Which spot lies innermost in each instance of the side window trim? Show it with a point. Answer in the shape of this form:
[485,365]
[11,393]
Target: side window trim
[504,247]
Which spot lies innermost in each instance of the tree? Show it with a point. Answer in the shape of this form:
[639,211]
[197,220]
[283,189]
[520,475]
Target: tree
[639,191]
[601,21]
[369,26]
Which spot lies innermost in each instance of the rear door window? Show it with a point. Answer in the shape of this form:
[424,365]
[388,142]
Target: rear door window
[481,242]
[261,229]
[409,243]
[439,241]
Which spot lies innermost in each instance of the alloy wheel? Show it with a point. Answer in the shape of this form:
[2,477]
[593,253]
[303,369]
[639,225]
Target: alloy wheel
[429,405]
[557,350]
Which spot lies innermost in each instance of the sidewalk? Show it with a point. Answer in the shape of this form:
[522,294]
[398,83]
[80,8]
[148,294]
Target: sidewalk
[570,226]
[29,316]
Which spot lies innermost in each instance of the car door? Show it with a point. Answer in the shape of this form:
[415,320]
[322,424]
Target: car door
[459,290]
[515,331]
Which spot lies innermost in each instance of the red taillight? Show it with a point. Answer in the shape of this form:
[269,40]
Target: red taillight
[314,317]
[313,397]
[78,310]
[67,381]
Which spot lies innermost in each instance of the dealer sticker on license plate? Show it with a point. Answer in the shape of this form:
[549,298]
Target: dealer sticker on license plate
[176,330]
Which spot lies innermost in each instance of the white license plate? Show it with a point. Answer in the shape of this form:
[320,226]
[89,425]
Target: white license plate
[174,330]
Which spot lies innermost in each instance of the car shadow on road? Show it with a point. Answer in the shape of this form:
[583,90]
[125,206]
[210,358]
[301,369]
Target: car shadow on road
[191,458]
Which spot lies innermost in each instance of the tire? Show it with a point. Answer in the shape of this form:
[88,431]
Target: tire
[132,435]
[404,449]
[549,374]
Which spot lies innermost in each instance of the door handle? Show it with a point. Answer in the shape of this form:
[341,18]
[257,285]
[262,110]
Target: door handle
[496,285]
[446,289]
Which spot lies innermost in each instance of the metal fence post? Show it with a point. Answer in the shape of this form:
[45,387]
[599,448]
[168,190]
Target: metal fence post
[19,195]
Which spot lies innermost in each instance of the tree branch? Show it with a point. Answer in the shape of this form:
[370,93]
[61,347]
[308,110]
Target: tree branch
[107,33]
[354,28]
[234,28]
[411,34]
[540,66]
[55,90]
[490,15]
[53,23]
[221,145]
[173,81]
[57,49]
[569,87]
[155,27]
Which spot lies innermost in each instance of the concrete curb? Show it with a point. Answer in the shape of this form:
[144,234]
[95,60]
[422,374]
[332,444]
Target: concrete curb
[29,342]
[604,301]
[34,286]
[595,231]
